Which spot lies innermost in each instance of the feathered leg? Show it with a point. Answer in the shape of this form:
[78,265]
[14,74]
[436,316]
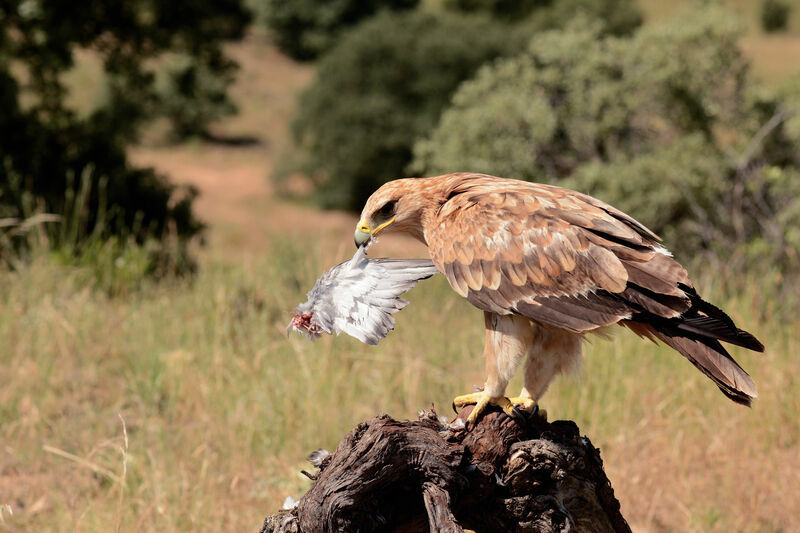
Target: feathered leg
[553,352]
[508,339]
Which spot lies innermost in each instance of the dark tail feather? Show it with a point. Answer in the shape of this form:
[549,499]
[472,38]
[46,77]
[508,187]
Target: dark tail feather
[712,327]
[696,334]
[709,320]
[711,358]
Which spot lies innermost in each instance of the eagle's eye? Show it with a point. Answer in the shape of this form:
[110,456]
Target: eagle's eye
[387,209]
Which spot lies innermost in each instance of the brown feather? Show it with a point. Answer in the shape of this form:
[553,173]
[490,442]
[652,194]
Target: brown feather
[664,305]
[717,364]
[661,275]
[609,273]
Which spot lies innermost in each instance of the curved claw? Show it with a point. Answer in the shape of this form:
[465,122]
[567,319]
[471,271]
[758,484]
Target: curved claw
[524,402]
[481,400]
[480,407]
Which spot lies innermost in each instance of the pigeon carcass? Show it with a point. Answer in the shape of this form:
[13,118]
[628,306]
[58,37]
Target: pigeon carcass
[359,296]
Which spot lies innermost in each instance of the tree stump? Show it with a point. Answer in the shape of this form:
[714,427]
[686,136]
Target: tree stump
[503,475]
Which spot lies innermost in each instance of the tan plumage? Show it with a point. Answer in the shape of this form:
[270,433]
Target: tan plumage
[548,265]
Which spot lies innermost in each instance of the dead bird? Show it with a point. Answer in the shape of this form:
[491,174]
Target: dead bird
[359,297]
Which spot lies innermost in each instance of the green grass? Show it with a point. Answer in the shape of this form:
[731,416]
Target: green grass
[221,408]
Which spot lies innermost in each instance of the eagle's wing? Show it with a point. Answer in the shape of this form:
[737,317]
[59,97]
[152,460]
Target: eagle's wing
[551,254]
[359,296]
[570,261]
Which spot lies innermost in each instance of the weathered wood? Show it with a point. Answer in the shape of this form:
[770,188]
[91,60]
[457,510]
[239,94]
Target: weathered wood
[426,475]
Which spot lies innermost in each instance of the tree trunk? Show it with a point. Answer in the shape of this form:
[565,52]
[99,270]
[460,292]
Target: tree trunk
[505,474]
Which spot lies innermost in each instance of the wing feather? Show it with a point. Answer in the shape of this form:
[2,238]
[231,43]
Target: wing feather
[359,296]
[529,247]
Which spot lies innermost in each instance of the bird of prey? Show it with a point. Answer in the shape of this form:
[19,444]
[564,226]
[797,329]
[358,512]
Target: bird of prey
[548,265]
[359,296]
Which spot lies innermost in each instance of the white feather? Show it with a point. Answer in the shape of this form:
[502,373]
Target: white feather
[359,296]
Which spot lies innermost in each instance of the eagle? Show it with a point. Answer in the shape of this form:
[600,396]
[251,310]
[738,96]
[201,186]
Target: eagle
[548,265]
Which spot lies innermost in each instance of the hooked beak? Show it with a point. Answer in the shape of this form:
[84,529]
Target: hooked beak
[364,233]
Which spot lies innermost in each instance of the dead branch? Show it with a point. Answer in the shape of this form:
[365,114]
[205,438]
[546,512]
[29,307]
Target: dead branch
[427,475]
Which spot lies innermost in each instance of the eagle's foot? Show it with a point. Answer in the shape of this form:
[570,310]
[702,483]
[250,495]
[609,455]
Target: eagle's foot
[530,405]
[481,400]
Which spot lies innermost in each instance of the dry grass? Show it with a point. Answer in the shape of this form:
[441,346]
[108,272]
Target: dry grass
[221,408]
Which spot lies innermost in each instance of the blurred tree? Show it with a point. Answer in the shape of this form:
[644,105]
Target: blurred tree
[48,151]
[304,29]
[191,94]
[666,125]
[505,9]
[774,15]
[619,17]
[789,96]
[387,81]
[379,89]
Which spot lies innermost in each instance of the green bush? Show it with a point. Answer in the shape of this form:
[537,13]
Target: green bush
[774,15]
[789,96]
[191,95]
[381,88]
[505,9]
[305,29]
[618,17]
[48,151]
[667,125]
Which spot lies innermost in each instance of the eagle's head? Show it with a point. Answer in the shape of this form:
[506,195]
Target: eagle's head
[397,206]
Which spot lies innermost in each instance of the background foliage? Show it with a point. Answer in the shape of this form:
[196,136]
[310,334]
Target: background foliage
[305,29]
[49,152]
[382,87]
[667,125]
[775,15]
[618,17]
[386,83]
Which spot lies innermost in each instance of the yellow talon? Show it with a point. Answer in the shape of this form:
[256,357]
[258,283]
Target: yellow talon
[480,406]
[529,404]
[468,399]
[482,399]
[523,401]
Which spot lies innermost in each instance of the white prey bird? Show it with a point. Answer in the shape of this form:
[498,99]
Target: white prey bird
[359,296]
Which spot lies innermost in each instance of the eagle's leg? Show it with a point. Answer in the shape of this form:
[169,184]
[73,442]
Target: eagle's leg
[508,339]
[553,352]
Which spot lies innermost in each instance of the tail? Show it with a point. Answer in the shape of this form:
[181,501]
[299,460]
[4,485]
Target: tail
[696,334]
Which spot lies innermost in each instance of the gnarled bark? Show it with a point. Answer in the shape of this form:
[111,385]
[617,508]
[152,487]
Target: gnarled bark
[426,475]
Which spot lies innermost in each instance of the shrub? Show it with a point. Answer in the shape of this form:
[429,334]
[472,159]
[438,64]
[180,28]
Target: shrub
[191,95]
[381,88]
[667,125]
[506,9]
[48,150]
[304,29]
[618,17]
[774,15]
